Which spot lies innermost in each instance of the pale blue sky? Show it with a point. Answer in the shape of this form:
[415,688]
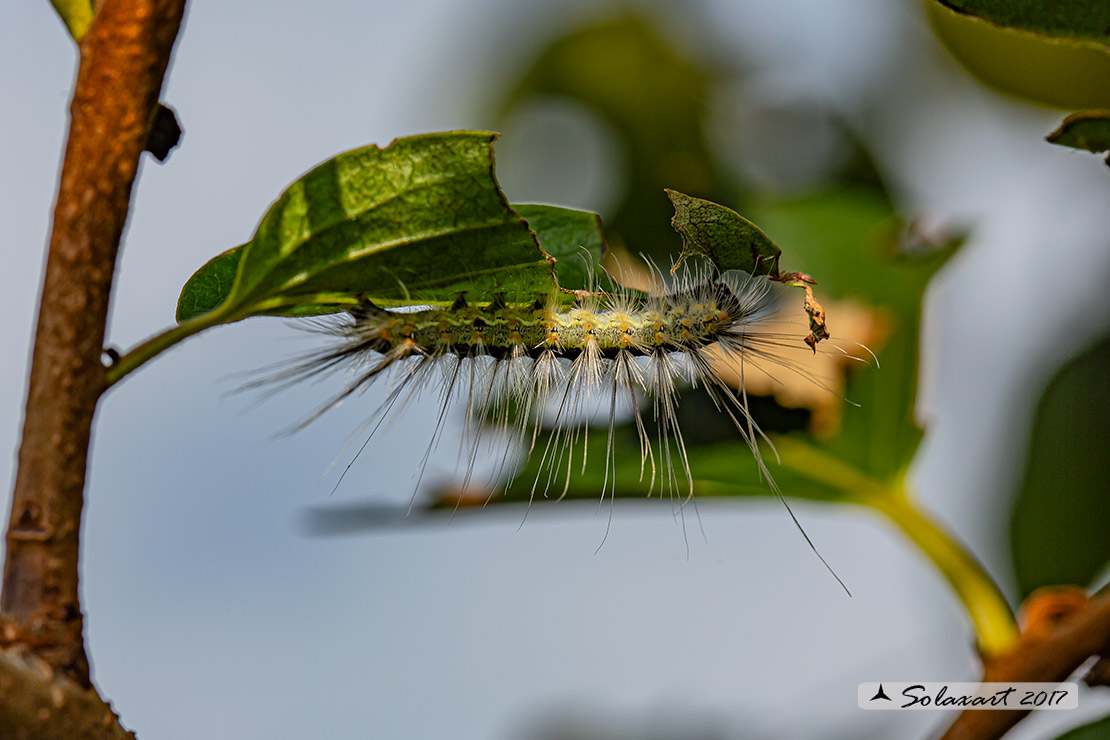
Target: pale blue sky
[211,614]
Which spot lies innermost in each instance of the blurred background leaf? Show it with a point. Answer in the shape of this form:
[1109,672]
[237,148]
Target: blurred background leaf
[1061,516]
[1087,20]
[1088,130]
[1055,53]
[654,98]
[1097,730]
[847,239]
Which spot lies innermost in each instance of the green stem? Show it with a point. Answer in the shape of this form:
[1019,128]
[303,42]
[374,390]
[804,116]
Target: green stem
[995,628]
[157,344]
[223,314]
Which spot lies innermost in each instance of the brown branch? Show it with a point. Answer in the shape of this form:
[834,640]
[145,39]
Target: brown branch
[1048,652]
[123,60]
[40,704]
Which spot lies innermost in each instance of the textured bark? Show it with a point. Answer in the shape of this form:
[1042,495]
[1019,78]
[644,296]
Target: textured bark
[39,704]
[123,59]
[1042,656]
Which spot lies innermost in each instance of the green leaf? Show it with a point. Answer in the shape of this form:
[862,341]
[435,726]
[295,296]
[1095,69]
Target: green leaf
[76,14]
[1078,19]
[1062,511]
[422,220]
[574,238]
[729,240]
[1088,130]
[721,470]
[1097,730]
[209,286]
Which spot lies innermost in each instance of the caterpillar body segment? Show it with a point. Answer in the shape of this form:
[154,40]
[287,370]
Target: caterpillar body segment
[524,367]
[608,323]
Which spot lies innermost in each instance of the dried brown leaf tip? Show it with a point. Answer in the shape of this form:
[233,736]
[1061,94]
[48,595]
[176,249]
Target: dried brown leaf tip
[818,329]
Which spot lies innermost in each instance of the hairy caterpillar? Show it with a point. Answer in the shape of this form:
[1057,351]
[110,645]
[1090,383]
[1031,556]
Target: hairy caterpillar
[518,365]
